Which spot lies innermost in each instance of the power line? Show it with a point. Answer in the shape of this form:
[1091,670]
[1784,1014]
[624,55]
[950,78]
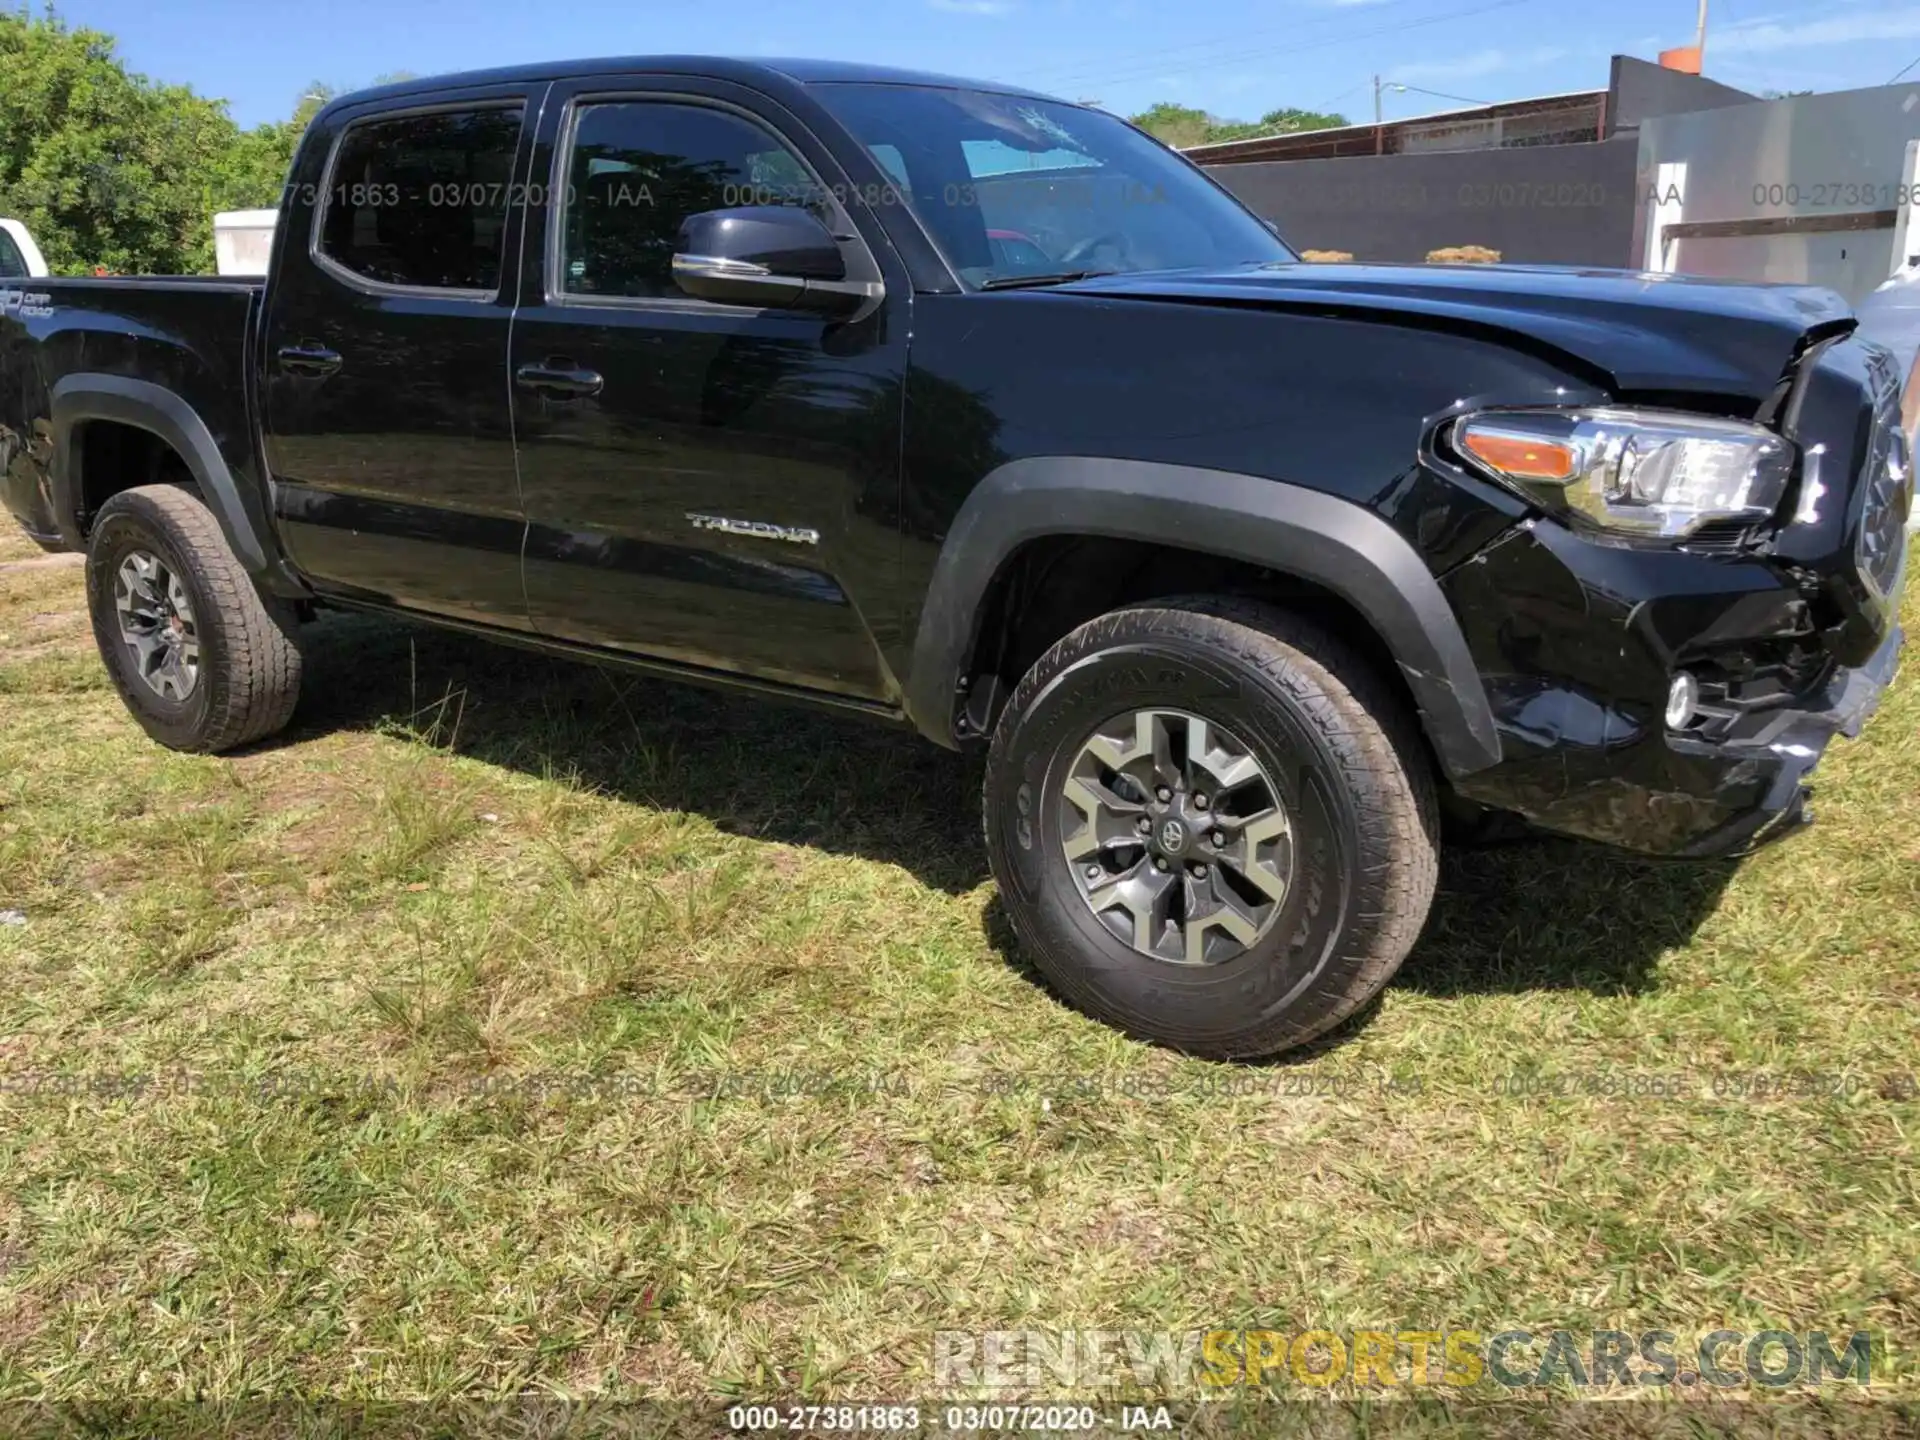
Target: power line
[1067,74]
[1325,105]
[1155,61]
[1381,87]
[1442,18]
[1904,68]
[1437,94]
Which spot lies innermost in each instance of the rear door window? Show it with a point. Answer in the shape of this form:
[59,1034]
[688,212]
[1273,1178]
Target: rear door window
[420,201]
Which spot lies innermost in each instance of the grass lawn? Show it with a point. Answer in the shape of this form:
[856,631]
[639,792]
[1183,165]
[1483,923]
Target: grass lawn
[365,973]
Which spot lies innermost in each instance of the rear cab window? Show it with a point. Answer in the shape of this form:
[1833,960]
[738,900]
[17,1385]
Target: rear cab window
[420,201]
[13,265]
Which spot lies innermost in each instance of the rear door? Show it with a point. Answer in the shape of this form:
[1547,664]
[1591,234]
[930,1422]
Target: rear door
[706,484]
[388,433]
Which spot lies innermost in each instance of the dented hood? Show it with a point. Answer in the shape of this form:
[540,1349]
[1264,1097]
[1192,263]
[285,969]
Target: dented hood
[1642,332]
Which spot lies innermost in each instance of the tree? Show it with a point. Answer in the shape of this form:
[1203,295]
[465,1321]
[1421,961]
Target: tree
[312,101]
[1176,125]
[110,169]
[1289,121]
[1183,126]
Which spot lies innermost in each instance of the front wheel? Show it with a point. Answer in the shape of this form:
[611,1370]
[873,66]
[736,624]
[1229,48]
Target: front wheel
[1212,825]
[201,660]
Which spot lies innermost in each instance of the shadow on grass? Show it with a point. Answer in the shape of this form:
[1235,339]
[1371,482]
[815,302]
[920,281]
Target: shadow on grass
[773,772]
[1558,915]
[1544,914]
[1535,915]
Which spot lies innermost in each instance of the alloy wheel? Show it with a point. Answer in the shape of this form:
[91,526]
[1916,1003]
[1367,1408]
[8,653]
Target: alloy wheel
[1176,836]
[157,625]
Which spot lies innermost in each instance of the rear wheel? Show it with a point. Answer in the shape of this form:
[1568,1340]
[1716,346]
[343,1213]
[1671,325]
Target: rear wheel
[201,660]
[1212,824]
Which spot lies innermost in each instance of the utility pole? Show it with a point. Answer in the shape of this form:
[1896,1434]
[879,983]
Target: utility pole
[1690,59]
[1380,135]
[1376,79]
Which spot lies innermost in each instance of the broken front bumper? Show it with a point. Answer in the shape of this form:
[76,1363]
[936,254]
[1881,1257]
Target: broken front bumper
[1782,753]
[1577,645]
[1674,795]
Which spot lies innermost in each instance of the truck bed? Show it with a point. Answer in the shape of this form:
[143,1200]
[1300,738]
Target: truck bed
[187,333]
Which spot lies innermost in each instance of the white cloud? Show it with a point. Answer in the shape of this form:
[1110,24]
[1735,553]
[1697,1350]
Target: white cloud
[1753,38]
[972,7]
[1476,65]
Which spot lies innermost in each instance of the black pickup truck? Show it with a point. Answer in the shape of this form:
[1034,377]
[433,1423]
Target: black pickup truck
[973,411]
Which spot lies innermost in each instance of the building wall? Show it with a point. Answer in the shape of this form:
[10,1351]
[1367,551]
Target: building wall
[1638,92]
[1542,204]
[1848,157]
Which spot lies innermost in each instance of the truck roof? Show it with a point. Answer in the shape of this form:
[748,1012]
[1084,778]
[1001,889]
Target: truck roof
[747,72]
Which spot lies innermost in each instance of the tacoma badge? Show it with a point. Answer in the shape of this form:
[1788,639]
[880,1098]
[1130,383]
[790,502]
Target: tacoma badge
[755,529]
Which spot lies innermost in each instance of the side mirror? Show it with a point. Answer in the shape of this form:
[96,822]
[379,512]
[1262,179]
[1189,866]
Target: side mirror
[766,255]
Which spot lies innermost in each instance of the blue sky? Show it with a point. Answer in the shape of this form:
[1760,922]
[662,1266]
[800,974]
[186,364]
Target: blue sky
[1238,58]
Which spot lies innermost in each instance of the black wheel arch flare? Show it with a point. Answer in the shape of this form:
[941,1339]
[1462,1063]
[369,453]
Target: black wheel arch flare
[84,396]
[1333,543]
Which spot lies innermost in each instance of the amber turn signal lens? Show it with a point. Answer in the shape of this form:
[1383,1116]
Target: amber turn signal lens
[1524,457]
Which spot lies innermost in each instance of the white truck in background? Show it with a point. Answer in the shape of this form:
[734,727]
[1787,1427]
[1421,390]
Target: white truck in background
[20,258]
[242,241]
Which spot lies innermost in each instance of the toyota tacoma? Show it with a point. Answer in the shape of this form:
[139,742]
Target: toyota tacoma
[984,414]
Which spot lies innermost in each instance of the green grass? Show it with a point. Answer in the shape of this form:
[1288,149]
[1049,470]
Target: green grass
[394,945]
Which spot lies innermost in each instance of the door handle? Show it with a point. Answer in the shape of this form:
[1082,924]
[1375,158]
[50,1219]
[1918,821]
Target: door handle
[559,377]
[308,359]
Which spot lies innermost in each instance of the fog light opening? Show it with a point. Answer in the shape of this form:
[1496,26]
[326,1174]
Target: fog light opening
[1683,700]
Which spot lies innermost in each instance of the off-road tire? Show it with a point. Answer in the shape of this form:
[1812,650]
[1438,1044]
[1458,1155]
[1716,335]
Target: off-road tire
[1355,771]
[249,666]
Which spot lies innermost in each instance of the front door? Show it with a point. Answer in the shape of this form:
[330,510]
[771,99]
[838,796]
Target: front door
[389,437]
[705,484]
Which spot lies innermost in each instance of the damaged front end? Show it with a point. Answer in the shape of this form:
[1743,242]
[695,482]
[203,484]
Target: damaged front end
[1673,697]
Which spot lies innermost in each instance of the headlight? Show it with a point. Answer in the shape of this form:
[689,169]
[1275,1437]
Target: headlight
[1637,472]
